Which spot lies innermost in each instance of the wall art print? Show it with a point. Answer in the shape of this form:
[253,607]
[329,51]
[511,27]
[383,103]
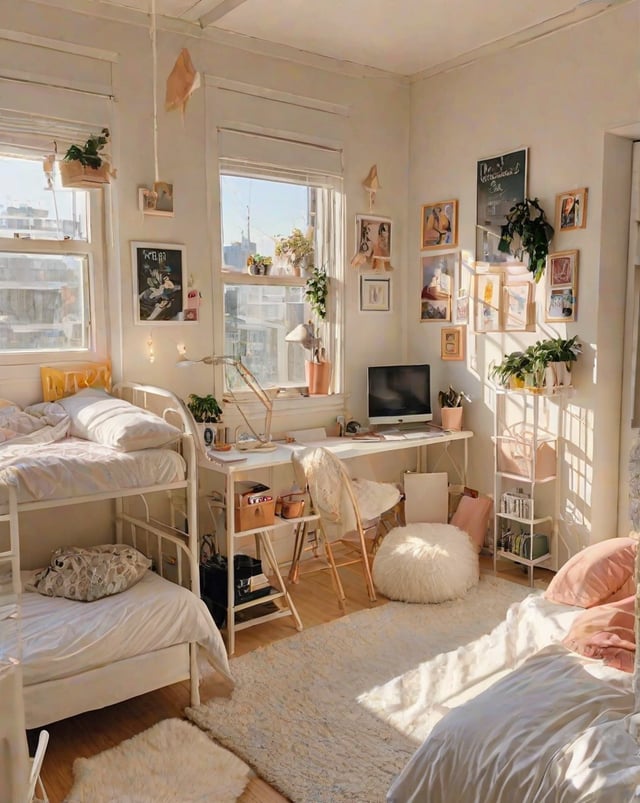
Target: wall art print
[501,183]
[158,282]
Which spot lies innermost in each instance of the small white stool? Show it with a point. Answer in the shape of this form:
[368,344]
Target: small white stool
[426,563]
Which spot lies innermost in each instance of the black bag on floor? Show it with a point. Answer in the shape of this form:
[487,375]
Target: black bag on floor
[213,583]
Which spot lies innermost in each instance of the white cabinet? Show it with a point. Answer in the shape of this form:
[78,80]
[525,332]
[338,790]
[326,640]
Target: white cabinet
[526,427]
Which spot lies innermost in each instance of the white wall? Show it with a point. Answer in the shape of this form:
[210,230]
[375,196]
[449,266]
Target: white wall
[558,96]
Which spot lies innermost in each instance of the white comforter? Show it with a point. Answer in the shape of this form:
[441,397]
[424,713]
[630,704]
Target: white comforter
[553,731]
[38,458]
[61,637]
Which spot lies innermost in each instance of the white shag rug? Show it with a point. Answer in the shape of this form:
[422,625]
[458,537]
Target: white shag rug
[172,762]
[425,563]
[320,715]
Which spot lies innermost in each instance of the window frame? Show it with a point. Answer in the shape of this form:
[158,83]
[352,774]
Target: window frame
[93,248]
[333,326]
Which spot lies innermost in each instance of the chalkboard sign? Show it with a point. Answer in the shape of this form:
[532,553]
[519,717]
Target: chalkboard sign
[501,183]
[159,270]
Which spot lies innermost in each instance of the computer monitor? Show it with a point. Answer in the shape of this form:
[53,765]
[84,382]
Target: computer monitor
[398,394]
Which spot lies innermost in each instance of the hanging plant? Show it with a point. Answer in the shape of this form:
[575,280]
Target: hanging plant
[527,230]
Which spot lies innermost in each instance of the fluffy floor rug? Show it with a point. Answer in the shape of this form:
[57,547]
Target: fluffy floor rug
[173,762]
[322,716]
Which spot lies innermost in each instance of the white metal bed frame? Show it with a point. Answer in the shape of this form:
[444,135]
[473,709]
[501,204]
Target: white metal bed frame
[142,673]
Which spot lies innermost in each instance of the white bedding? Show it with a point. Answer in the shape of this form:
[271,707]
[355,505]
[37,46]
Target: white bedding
[553,731]
[62,637]
[75,467]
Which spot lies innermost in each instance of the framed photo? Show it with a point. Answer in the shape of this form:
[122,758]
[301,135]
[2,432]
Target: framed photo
[461,309]
[560,304]
[501,183]
[373,236]
[452,343]
[516,301]
[375,294]
[159,271]
[439,225]
[571,210]
[438,280]
[435,311]
[487,298]
[562,268]
[158,201]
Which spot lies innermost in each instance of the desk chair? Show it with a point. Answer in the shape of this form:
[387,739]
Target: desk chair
[349,513]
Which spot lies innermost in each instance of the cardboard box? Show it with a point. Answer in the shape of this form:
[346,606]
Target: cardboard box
[252,517]
[516,454]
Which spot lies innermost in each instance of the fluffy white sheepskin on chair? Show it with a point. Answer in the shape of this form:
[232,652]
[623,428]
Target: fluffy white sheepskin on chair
[425,563]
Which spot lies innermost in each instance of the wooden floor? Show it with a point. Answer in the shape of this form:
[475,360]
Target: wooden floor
[93,732]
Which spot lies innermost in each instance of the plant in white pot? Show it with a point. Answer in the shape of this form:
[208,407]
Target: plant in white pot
[451,407]
[205,411]
[297,249]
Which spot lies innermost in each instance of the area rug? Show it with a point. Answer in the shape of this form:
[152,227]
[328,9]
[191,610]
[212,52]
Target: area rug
[172,762]
[320,715]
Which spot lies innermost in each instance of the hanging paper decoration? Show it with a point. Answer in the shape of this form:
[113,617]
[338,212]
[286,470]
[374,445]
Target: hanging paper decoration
[372,185]
[181,83]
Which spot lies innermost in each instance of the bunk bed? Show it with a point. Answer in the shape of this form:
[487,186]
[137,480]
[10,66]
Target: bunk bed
[79,655]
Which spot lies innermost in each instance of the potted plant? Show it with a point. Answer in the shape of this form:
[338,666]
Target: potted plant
[510,372]
[86,166]
[205,411]
[451,407]
[527,230]
[561,353]
[318,369]
[297,249]
[258,264]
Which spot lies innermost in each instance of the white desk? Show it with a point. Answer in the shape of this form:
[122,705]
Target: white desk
[345,449]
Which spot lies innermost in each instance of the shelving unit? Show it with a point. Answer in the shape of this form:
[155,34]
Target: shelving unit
[525,460]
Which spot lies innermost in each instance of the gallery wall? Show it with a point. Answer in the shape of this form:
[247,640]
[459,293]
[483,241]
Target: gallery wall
[558,97]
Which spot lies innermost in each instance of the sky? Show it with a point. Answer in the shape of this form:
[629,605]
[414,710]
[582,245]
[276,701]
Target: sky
[276,208]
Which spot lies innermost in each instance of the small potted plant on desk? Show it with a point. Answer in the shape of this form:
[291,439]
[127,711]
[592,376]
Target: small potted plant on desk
[451,407]
[205,411]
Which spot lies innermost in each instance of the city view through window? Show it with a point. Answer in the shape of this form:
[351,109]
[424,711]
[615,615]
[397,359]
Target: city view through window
[43,290]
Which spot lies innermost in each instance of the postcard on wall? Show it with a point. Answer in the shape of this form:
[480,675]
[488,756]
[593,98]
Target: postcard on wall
[501,183]
[487,298]
[571,210]
[517,298]
[461,314]
[158,282]
[373,236]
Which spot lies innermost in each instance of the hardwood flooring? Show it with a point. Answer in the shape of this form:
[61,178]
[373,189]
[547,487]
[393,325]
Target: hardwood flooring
[91,733]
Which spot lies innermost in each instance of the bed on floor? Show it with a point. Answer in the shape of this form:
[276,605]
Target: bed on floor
[134,445]
[545,710]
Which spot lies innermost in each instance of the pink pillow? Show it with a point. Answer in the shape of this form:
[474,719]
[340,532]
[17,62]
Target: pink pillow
[606,632]
[602,572]
[472,516]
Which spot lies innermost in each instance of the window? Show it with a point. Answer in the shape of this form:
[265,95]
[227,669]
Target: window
[260,310]
[48,255]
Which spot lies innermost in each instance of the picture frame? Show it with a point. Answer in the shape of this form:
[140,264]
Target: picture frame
[516,300]
[439,225]
[157,201]
[501,182]
[435,311]
[562,268]
[562,287]
[452,343]
[439,273]
[373,238]
[487,294]
[461,307]
[560,304]
[571,209]
[159,285]
[375,293]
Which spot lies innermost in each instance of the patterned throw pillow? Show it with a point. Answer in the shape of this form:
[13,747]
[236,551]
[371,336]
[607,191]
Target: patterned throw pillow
[90,574]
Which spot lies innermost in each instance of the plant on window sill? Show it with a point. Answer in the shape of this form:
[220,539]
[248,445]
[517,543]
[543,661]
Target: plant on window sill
[297,248]
[316,293]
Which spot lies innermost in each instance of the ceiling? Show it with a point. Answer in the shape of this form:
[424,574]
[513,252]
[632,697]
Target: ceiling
[405,37]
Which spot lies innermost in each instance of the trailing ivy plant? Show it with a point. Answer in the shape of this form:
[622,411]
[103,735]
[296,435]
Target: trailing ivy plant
[527,230]
[89,153]
[316,293]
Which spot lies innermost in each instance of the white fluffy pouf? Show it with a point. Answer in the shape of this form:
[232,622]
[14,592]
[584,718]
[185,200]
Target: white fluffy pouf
[426,563]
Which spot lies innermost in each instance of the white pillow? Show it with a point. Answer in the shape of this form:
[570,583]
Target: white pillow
[97,416]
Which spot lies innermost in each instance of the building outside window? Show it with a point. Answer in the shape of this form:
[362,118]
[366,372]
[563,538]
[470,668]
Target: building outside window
[48,252]
[259,311]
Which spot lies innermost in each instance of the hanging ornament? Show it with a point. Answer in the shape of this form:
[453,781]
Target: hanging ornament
[182,82]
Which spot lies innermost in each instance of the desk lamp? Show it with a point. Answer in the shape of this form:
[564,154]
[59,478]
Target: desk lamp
[264,440]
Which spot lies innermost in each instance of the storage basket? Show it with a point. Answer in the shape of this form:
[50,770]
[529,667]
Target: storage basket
[516,453]
[252,517]
[75,174]
[291,505]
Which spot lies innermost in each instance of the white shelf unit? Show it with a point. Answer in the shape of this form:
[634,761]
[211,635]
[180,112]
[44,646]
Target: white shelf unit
[525,460]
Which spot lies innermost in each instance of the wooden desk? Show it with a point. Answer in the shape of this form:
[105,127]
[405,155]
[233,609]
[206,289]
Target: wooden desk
[345,449]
